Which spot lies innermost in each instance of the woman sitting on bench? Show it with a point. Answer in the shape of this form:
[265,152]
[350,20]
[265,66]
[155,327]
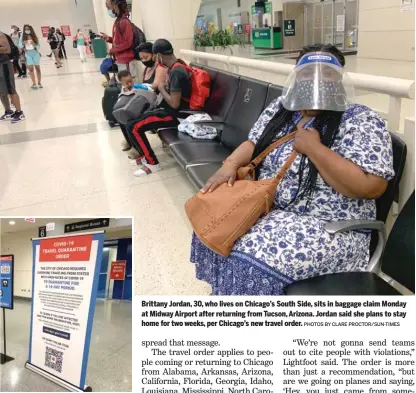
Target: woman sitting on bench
[344,163]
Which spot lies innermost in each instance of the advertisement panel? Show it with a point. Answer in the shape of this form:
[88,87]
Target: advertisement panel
[6,281]
[64,285]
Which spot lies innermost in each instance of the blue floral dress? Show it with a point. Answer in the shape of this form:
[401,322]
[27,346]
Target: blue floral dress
[290,243]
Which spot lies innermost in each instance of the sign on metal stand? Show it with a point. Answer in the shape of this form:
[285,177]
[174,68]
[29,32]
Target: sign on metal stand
[118,272]
[6,297]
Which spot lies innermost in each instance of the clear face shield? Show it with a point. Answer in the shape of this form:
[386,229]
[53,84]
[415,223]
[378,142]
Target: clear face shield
[318,82]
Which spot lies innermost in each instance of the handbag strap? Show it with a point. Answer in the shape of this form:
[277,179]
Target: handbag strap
[273,146]
[282,173]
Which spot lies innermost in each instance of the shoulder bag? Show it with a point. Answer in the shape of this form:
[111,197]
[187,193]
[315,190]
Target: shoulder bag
[219,218]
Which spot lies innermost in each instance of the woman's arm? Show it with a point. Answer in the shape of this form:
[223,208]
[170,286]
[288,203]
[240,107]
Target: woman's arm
[160,77]
[228,172]
[341,174]
[125,30]
[20,45]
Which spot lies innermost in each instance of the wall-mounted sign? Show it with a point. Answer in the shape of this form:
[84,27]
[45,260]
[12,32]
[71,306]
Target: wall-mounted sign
[45,31]
[30,220]
[50,226]
[87,225]
[66,30]
[240,29]
[247,28]
[289,27]
[42,231]
[6,281]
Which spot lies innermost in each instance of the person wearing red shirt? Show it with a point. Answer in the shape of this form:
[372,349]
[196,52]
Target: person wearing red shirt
[122,36]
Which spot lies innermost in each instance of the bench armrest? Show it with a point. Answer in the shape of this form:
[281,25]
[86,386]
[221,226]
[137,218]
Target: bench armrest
[351,225]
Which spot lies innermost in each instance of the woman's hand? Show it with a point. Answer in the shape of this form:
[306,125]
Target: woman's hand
[104,36]
[226,174]
[306,140]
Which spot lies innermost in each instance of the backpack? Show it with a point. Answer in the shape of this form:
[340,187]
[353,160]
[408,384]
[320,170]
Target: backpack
[14,50]
[200,86]
[138,38]
[130,107]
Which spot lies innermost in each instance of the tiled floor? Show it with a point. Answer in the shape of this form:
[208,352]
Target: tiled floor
[65,160]
[110,359]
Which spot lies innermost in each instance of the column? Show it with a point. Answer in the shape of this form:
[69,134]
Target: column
[173,20]
[104,22]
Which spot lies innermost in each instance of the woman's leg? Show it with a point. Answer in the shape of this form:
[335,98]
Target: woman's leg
[63,50]
[57,59]
[32,74]
[84,53]
[137,131]
[38,74]
[18,68]
[79,47]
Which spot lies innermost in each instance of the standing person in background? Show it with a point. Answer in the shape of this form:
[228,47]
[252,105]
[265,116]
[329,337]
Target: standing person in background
[122,36]
[29,43]
[61,38]
[15,36]
[82,41]
[92,36]
[7,85]
[54,43]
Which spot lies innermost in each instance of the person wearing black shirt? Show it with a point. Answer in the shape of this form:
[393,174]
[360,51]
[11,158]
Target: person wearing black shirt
[176,92]
[61,39]
[54,44]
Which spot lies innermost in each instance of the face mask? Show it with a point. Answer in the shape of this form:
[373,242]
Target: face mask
[27,31]
[111,14]
[149,63]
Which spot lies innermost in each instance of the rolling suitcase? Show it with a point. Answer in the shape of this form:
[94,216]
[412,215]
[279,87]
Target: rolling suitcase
[110,98]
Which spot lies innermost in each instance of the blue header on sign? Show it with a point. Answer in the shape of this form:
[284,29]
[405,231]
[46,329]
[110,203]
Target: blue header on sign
[311,58]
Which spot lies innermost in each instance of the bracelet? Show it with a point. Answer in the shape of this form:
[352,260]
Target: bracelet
[237,165]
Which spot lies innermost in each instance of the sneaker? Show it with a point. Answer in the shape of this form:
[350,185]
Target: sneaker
[147,169]
[24,76]
[7,116]
[40,87]
[34,87]
[19,76]
[17,117]
[138,161]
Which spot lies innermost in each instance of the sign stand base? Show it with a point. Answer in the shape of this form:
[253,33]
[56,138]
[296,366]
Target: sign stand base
[57,380]
[5,358]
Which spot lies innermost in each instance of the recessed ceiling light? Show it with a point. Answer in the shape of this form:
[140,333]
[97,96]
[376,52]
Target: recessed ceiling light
[12,222]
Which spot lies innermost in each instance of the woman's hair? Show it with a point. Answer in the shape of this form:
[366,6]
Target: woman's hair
[122,7]
[145,47]
[32,34]
[327,123]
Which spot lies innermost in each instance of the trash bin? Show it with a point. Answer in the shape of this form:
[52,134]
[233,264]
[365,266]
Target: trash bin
[99,47]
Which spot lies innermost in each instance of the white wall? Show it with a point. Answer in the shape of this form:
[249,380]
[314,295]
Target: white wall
[385,32]
[48,13]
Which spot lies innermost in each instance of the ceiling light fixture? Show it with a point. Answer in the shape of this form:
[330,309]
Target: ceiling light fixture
[12,222]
